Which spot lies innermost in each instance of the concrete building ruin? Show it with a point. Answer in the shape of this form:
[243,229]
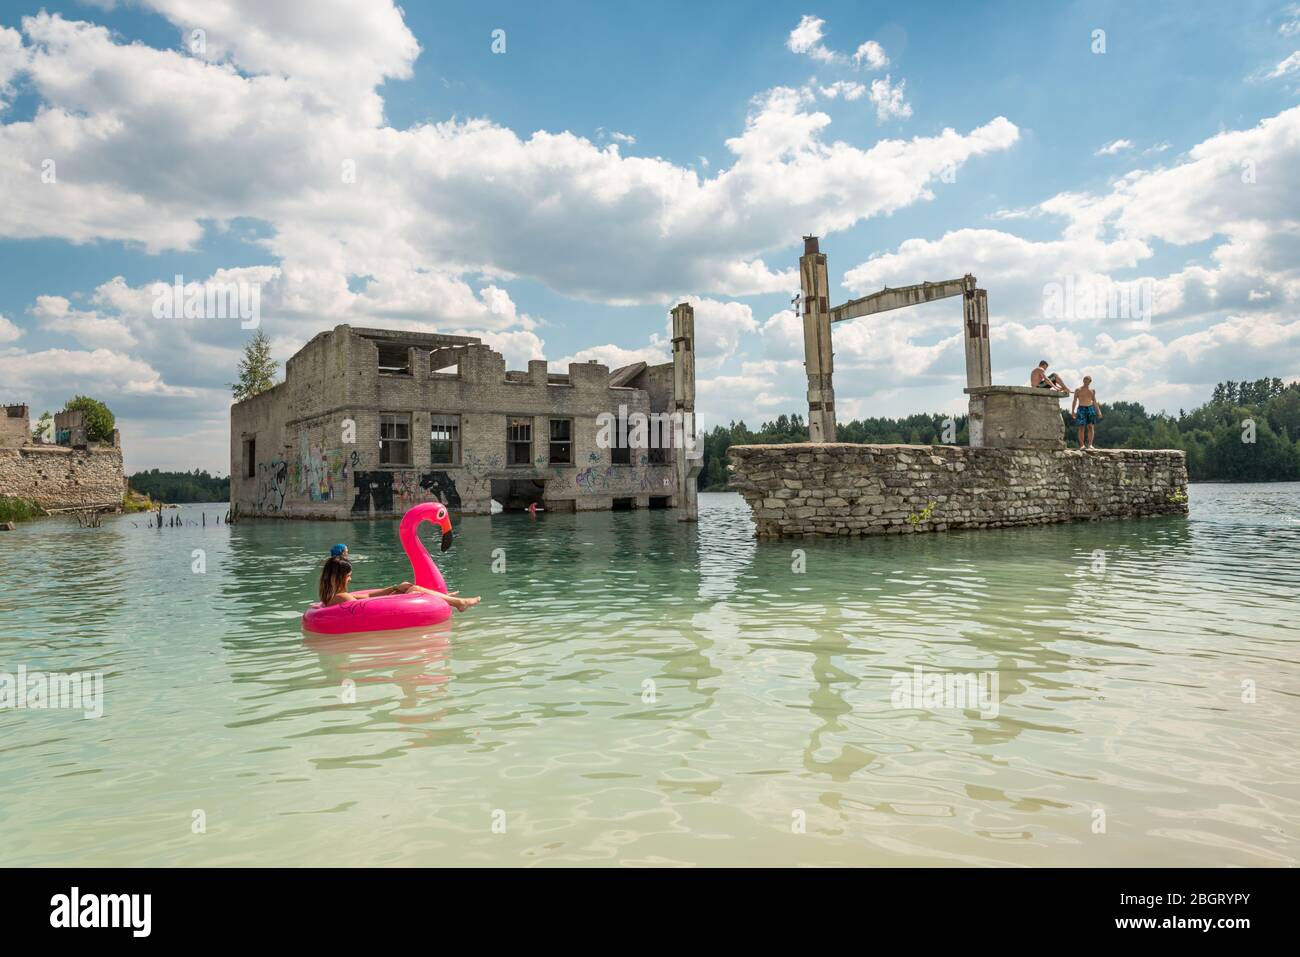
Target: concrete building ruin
[368,422]
[15,427]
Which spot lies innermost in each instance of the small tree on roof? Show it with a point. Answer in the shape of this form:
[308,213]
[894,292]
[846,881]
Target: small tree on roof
[256,370]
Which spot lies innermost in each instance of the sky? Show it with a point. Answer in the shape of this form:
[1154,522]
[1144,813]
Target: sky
[1123,179]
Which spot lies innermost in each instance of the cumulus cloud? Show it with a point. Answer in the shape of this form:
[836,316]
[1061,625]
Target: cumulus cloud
[888,99]
[1115,146]
[846,88]
[8,331]
[871,55]
[806,38]
[137,136]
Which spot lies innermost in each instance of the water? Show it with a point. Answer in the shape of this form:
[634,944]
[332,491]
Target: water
[635,691]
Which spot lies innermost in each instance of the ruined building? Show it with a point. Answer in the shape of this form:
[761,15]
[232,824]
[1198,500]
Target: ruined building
[369,422]
[70,473]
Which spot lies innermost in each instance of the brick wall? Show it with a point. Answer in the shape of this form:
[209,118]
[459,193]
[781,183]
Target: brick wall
[844,489]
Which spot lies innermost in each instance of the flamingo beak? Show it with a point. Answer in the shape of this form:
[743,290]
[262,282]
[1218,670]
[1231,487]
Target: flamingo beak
[445,524]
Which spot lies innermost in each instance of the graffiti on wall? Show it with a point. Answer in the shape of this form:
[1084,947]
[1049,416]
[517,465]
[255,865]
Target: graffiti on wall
[318,472]
[398,491]
[272,484]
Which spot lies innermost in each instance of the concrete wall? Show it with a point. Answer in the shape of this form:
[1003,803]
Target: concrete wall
[15,427]
[304,465]
[843,489]
[1016,417]
[57,477]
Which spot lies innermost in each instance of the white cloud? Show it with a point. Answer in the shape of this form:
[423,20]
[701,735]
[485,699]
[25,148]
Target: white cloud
[1115,146]
[1285,68]
[846,88]
[137,133]
[88,328]
[1291,26]
[8,331]
[872,55]
[806,39]
[889,99]
[13,60]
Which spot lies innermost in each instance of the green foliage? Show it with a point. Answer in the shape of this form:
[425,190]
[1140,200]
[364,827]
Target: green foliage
[256,370]
[18,509]
[99,420]
[176,487]
[1216,436]
[916,518]
[43,430]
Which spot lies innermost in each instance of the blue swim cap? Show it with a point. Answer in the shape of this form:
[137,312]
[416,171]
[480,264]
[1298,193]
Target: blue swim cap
[338,550]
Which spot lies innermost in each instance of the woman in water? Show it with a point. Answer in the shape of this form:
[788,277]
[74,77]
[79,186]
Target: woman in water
[337,574]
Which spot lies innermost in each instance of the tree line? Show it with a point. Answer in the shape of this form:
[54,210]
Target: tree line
[175,487]
[1248,432]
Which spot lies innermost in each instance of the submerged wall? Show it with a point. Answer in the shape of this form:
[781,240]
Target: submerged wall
[58,477]
[843,489]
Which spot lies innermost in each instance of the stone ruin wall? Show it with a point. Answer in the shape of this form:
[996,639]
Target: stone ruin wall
[58,477]
[846,489]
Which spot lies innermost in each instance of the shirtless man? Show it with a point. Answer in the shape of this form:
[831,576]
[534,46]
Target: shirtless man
[1039,379]
[1086,411]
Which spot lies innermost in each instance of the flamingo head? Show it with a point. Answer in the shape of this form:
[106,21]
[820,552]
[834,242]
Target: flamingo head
[442,519]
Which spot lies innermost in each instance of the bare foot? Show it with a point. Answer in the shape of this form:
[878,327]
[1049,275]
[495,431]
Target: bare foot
[460,604]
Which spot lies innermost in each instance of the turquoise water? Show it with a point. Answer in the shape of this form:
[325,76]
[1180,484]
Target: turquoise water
[637,691]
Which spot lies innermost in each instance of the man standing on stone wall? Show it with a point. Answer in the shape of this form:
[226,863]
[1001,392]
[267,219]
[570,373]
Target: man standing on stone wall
[1086,411]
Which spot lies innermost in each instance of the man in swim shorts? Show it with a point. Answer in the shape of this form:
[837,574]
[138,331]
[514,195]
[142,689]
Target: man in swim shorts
[1039,379]
[1086,411]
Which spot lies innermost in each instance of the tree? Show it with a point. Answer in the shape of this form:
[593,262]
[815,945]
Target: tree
[96,416]
[43,431]
[256,369]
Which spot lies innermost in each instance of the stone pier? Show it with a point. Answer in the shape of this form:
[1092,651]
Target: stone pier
[834,489]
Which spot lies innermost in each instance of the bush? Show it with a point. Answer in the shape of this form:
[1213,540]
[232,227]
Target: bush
[99,420]
[18,509]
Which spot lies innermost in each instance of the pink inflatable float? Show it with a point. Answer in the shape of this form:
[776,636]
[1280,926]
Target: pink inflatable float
[391,612]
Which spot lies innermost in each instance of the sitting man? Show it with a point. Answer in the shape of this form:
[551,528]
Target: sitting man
[1086,410]
[1039,379]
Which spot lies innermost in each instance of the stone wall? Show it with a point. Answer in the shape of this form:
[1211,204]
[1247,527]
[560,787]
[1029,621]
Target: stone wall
[844,489]
[58,477]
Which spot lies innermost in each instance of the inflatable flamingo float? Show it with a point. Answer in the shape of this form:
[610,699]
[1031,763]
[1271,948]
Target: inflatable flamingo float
[391,612]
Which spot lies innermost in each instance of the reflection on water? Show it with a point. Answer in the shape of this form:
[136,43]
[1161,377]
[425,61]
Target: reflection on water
[638,691]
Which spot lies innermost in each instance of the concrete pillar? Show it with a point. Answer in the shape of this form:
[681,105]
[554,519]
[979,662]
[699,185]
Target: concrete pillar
[818,355]
[688,450]
[975,333]
[986,361]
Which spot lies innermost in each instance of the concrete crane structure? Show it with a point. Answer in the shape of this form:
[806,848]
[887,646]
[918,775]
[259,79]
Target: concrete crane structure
[818,316]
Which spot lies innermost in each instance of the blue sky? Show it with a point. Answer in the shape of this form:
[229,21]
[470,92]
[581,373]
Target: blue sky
[559,196]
